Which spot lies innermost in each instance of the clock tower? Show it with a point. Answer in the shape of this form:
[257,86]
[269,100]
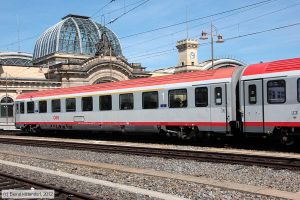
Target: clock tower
[188,52]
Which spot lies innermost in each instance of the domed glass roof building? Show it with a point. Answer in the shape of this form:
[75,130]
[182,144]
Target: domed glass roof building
[76,35]
[15,59]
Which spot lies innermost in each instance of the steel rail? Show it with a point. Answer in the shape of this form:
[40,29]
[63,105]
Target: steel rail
[10,181]
[276,162]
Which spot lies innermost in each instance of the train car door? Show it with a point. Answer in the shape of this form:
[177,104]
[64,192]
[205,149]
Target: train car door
[202,103]
[219,107]
[253,106]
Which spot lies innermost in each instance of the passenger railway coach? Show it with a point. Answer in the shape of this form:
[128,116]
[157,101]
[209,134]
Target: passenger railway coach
[259,99]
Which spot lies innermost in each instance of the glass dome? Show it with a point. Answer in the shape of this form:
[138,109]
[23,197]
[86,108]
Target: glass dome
[74,35]
[15,59]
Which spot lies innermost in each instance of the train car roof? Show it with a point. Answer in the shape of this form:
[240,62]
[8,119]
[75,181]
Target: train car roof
[262,70]
[195,76]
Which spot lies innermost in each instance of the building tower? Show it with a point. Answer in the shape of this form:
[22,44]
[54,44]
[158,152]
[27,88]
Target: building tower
[188,52]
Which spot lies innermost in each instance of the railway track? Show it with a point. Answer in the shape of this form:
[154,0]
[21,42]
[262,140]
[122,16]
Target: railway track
[9,181]
[256,159]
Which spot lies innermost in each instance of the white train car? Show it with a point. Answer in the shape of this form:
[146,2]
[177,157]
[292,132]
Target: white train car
[261,99]
[181,105]
[270,98]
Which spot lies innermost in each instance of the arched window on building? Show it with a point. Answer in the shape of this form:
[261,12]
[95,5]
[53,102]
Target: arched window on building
[7,107]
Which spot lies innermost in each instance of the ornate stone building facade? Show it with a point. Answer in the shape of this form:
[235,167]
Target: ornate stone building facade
[18,75]
[75,51]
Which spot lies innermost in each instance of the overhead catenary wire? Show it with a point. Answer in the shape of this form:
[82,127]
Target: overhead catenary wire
[99,10]
[114,20]
[159,28]
[154,53]
[229,26]
[118,9]
[263,31]
[145,56]
[21,40]
[196,19]
[257,5]
[35,36]
[173,33]
[259,16]
[214,20]
[92,16]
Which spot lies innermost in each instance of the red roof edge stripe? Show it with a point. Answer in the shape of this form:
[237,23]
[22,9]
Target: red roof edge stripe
[140,82]
[273,67]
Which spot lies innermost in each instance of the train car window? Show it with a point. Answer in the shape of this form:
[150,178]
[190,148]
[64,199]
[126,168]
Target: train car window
[70,105]
[150,100]
[276,91]
[87,103]
[201,97]
[30,107]
[178,98]
[126,101]
[218,96]
[17,107]
[22,107]
[55,103]
[252,94]
[105,102]
[298,87]
[42,106]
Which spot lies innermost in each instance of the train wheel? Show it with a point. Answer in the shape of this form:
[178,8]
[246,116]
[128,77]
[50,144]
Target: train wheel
[36,130]
[285,138]
[27,129]
[23,129]
[188,133]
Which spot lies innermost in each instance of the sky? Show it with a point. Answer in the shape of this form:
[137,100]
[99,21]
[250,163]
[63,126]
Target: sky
[27,20]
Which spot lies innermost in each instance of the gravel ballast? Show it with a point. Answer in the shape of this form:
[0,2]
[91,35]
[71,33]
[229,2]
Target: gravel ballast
[170,186]
[284,180]
[99,191]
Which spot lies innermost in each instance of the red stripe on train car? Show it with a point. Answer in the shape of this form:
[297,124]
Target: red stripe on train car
[129,123]
[288,124]
[253,124]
